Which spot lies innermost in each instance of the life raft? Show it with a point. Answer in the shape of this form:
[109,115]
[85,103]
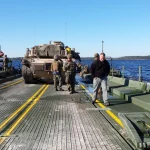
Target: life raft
[1,54]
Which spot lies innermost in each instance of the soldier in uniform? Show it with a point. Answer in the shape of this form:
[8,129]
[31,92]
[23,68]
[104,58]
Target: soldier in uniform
[70,68]
[85,70]
[27,52]
[68,50]
[56,68]
[5,63]
[96,56]
[79,66]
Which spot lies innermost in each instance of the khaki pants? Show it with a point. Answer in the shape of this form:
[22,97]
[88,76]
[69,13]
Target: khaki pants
[5,67]
[100,83]
[57,78]
[70,80]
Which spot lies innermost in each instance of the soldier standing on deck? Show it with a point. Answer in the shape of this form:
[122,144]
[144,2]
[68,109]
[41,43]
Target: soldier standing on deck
[5,63]
[70,68]
[96,56]
[56,68]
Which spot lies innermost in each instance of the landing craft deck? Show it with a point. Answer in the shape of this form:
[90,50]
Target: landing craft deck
[53,121]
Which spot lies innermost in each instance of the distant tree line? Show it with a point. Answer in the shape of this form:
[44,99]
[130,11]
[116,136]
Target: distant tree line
[123,58]
[118,58]
[16,58]
[132,57]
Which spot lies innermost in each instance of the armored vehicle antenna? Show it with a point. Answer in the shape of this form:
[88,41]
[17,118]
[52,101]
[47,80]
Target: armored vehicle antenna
[66,32]
[102,46]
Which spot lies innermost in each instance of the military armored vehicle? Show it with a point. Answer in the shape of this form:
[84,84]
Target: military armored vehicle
[36,63]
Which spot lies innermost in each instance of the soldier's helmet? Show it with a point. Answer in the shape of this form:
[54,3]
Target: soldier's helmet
[69,56]
[56,57]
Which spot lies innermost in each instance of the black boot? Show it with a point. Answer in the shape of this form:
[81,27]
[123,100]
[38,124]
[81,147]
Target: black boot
[93,102]
[71,92]
[69,88]
[75,91]
[60,89]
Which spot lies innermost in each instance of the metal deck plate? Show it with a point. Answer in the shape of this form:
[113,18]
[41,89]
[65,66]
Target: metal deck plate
[62,121]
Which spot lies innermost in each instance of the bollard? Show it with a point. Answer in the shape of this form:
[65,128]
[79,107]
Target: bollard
[112,72]
[122,71]
[140,73]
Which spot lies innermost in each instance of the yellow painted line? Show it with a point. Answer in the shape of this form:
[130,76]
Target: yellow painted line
[20,108]
[147,125]
[8,132]
[11,84]
[110,113]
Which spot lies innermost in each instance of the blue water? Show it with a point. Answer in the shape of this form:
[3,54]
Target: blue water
[130,67]
[17,64]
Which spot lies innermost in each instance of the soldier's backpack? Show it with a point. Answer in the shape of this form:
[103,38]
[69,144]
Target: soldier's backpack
[72,67]
[55,68]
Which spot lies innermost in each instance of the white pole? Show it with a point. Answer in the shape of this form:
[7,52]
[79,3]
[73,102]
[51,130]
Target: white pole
[34,34]
[66,33]
[102,46]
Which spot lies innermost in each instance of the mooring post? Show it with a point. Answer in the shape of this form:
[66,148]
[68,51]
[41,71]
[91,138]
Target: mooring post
[112,72]
[122,71]
[140,73]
